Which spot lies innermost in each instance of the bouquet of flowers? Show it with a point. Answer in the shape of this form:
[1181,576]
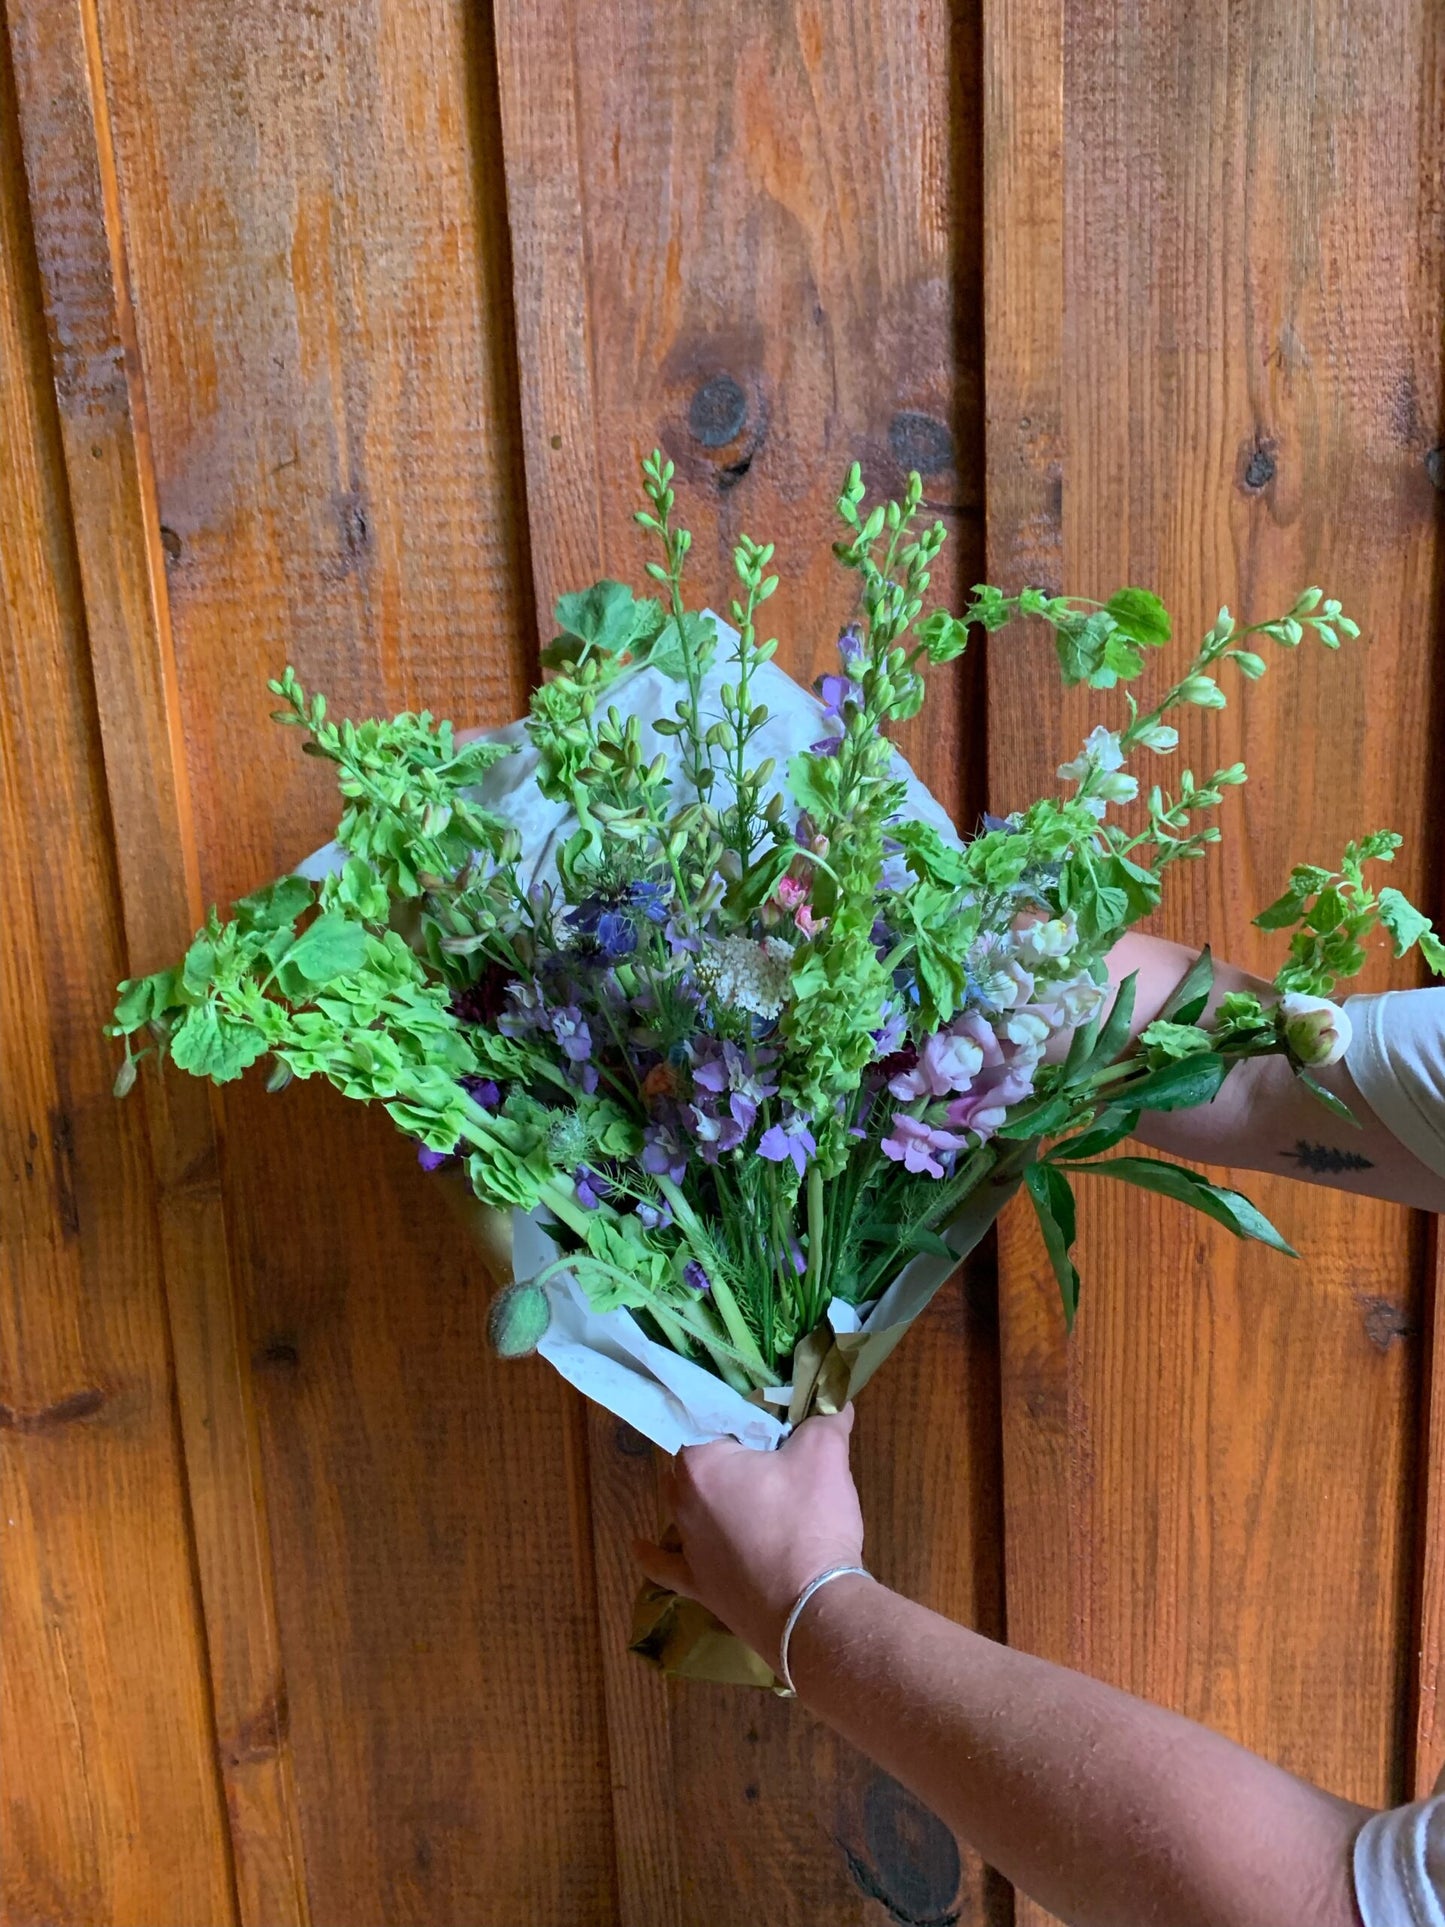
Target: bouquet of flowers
[689,978]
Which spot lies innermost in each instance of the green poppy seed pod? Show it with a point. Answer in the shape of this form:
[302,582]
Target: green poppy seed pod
[517,1320]
[125,1077]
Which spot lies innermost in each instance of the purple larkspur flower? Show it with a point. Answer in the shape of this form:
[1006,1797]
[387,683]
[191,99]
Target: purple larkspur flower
[663,1152]
[722,1067]
[695,1278]
[481,1090]
[573,1036]
[893,1035]
[718,1131]
[525,1010]
[790,1139]
[593,1188]
[654,1217]
[430,1160]
[918,1146]
[852,651]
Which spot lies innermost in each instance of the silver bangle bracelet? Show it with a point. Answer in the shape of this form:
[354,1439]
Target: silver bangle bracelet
[787,1690]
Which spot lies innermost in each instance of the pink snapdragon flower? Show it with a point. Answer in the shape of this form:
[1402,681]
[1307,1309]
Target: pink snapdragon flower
[917,1145]
[947,1062]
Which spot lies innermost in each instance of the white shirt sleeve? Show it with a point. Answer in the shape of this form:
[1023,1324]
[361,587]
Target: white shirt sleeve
[1397,1058]
[1400,1866]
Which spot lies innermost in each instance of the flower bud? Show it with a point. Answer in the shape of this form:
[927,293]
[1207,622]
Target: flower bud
[1203,691]
[517,1320]
[1317,1032]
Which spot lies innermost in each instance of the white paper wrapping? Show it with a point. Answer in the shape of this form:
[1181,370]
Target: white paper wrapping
[606,1355]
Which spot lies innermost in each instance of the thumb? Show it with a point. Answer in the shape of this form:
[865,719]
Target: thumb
[824,1428]
[667,1569]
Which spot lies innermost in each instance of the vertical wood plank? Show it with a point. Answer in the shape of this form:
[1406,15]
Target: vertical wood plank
[724,246]
[110,1805]
[1250,381]
[316,246]
[102,425]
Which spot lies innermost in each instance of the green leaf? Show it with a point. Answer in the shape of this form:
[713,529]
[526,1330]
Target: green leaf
[813,783]
[1282,912]
[334,946]
[1405,923]
[1110,1126]
[608,617]
[276,905]
[1054,1203]
[144,999]
[208,1044]
[1115,1033]
[198,968]
[1082,1046]
[1177,1086]
[1142,616]
[1176,1040]
[667,653]
[1433,951]
[1229,1208]
[1186,1004]
[1331,1103]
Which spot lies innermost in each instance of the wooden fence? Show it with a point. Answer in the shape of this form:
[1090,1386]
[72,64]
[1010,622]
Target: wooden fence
[332,333]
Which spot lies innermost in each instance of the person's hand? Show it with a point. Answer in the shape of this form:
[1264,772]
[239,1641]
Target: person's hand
[757,1526]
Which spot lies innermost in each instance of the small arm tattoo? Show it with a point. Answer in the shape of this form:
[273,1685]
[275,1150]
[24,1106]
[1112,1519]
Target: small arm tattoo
[1326,1158]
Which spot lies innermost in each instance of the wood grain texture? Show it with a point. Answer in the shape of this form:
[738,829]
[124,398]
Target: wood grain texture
[103,427]
[727,247]
[110,1807]
[1249,392]
[316,248]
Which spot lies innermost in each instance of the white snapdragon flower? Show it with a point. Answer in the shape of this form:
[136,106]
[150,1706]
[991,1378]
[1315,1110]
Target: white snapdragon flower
[1101,764]
[1038,938]
[1317,1031]
[1073,1002]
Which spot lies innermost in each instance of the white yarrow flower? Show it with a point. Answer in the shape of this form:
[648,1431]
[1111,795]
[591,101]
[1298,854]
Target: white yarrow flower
[750,976]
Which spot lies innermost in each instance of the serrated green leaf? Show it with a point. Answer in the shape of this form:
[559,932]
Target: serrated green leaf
[1405,923]
[333,946]
[208,1044]
[1433,951]
[1142,616]
[1284,911]
[279,903]
[198,968]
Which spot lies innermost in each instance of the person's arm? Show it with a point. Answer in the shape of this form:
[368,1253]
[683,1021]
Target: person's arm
[1264,1119]
[1106,1810]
